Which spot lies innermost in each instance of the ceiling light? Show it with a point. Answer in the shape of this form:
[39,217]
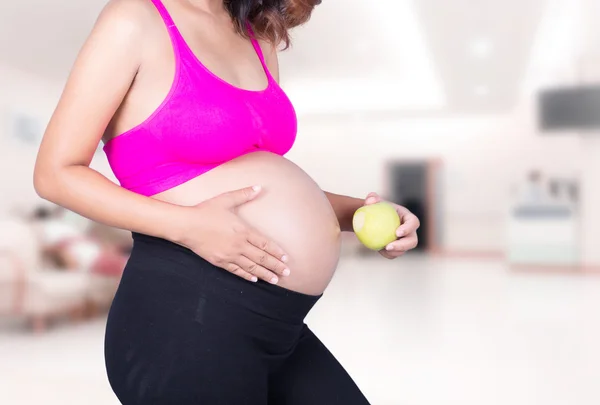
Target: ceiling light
[482,90]
[481,47]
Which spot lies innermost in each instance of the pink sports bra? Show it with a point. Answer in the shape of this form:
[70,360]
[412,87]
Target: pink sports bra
[203,122]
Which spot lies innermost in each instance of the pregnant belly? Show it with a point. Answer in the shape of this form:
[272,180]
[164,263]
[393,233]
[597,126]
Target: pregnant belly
[291,210]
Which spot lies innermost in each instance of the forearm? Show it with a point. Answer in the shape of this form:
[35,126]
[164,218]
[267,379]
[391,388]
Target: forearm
[344,208]
[90,194]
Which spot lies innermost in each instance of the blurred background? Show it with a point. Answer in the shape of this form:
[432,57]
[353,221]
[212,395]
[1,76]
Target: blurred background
[482,117]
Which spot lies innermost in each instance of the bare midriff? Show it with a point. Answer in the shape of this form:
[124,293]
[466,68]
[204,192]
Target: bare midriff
[291,210]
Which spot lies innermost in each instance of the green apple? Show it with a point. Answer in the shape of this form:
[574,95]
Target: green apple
[375,225]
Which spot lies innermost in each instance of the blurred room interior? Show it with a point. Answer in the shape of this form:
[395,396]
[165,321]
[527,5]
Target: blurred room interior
[482,117]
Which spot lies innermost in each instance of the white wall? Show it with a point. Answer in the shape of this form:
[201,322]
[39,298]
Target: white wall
[36,97]
[590,144]
[23,94]
[591,200]
[483,158]
[347,155]
[576,154]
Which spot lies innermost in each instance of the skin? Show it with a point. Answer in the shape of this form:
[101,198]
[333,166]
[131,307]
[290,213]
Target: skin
[118,79]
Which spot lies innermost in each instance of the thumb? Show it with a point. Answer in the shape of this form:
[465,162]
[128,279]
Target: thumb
[233,199]
[372,198]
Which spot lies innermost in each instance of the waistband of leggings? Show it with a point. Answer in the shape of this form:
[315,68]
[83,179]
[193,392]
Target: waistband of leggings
[262,297]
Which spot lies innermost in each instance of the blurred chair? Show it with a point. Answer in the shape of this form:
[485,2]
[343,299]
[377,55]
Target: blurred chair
[28,288]
[106,276]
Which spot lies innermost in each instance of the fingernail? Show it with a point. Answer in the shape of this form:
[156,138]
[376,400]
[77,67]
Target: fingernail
[274,280]
[389,247]
[286,272]
[284,258]
[400,234]
[370,200]
[256,189]
[254,279]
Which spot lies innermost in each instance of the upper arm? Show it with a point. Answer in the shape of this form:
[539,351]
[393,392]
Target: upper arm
[99,80]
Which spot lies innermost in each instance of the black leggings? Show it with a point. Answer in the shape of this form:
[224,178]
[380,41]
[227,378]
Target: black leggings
[184,332]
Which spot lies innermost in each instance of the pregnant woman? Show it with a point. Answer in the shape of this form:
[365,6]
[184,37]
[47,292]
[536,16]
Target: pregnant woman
[233,243]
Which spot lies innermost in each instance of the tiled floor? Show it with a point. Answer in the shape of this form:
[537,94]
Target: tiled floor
[417,331]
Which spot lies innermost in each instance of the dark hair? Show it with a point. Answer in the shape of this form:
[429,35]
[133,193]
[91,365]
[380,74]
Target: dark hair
[270,20]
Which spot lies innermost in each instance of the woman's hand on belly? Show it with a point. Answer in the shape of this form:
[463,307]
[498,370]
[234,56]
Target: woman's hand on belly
[214,231]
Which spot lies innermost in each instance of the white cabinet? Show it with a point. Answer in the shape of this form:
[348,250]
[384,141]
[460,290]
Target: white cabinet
[544,235]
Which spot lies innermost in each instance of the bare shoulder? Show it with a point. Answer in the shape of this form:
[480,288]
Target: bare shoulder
[126,18]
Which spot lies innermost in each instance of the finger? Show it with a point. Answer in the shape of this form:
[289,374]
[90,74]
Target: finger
[251,267]
[236,198]
[403,245]
[238,271]
[266,245]
[385,254]
[409,223]
[391,255]
[265,260]
[372,198]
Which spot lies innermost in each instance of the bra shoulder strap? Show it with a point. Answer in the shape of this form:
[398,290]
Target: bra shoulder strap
[171,27]
[257,48]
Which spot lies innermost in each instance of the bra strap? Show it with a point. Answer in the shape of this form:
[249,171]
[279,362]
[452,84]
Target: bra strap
[179,44]
[257,48]
[162,10]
